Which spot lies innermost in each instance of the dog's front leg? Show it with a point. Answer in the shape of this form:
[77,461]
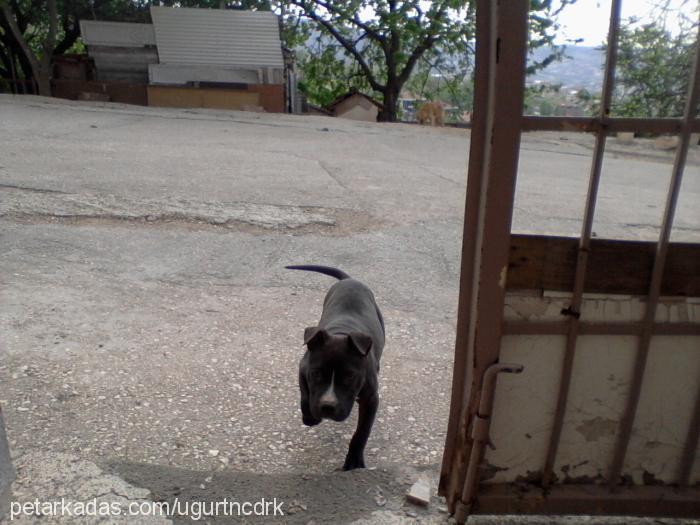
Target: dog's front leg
[307,418]
[367,412]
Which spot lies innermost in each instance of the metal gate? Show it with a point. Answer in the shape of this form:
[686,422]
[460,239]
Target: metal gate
[496,263]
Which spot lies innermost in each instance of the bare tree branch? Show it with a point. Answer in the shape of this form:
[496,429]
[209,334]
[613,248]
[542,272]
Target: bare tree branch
[308,11]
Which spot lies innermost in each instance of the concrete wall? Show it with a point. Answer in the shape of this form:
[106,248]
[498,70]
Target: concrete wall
[525,403]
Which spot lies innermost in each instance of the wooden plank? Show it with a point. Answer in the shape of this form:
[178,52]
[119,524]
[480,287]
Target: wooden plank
[539,262]
[612,125]
[652,500]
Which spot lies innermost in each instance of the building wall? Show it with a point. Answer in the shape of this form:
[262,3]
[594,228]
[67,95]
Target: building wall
[525,403]
[120,34]
[181,75]
[217,37]
[123,64]
[271,96]
[121,92]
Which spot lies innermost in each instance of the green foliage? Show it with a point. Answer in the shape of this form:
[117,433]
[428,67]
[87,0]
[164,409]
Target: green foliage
[380,41]
[324,77]
[653,71]
[392,42]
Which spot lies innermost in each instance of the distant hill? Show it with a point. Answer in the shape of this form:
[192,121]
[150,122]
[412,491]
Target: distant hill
[582,67]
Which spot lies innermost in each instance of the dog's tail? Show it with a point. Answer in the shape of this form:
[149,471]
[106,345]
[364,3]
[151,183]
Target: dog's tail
[325,270]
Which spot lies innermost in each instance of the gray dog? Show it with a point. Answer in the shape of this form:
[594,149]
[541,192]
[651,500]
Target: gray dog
[341,363]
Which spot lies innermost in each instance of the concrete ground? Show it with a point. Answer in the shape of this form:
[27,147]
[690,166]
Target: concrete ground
[151,334]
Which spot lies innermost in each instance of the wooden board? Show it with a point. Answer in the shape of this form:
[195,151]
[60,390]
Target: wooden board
[189,97]
[539,262]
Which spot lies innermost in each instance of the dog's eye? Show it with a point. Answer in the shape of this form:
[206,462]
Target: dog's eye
[316,376]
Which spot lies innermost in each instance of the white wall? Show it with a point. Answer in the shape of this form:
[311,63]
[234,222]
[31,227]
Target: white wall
[525,403]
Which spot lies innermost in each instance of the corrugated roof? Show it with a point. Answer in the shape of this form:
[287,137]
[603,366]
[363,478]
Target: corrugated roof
[219,37]
[118,34]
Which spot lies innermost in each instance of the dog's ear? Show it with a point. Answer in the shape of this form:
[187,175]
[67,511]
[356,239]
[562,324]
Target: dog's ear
[360,342]
[314,335]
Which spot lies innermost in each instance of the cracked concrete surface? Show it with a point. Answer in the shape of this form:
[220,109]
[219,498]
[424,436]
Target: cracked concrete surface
[38,204]
[164,350]
[52,477]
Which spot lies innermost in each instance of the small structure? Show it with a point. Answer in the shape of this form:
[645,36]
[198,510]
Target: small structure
[211,58]
[355,106]
[116,68]
[122,51]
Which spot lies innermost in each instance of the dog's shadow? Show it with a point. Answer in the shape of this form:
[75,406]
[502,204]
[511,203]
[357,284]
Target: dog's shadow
[333,497]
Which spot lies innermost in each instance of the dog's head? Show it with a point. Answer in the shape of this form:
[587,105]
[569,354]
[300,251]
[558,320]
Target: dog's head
[337,365]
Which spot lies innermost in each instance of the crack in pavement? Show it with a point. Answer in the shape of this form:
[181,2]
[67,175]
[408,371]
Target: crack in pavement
[57,205]
[29,189]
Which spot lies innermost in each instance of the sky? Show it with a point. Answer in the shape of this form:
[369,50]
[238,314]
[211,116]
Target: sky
[589,19]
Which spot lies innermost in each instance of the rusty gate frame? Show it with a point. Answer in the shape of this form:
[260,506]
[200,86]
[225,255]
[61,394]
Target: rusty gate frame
[502,30]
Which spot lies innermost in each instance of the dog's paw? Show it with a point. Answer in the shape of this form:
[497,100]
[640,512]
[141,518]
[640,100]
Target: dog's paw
[309,420]
[352,462]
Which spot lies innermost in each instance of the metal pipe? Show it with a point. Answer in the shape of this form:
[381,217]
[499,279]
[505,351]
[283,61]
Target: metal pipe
[480,433]
[584,246]
[659,262]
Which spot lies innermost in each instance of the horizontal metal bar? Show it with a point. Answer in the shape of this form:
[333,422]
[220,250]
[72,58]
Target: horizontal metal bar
[611,125]
[597,328]
[591,499]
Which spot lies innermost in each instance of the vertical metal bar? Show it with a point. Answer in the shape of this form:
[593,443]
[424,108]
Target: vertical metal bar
[691,445]
[454,455]
[659,263]
[584,246]
[508,42]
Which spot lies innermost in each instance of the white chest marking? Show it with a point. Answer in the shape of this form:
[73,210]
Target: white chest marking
[328,397]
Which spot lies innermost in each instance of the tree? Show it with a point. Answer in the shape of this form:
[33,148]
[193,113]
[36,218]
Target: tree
[40,58]
[386,39]
[653,68]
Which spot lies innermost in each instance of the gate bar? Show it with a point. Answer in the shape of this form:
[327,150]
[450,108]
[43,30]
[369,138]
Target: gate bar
[691,446]
[504,25]
[584,245]
[655,285]
[454,455]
